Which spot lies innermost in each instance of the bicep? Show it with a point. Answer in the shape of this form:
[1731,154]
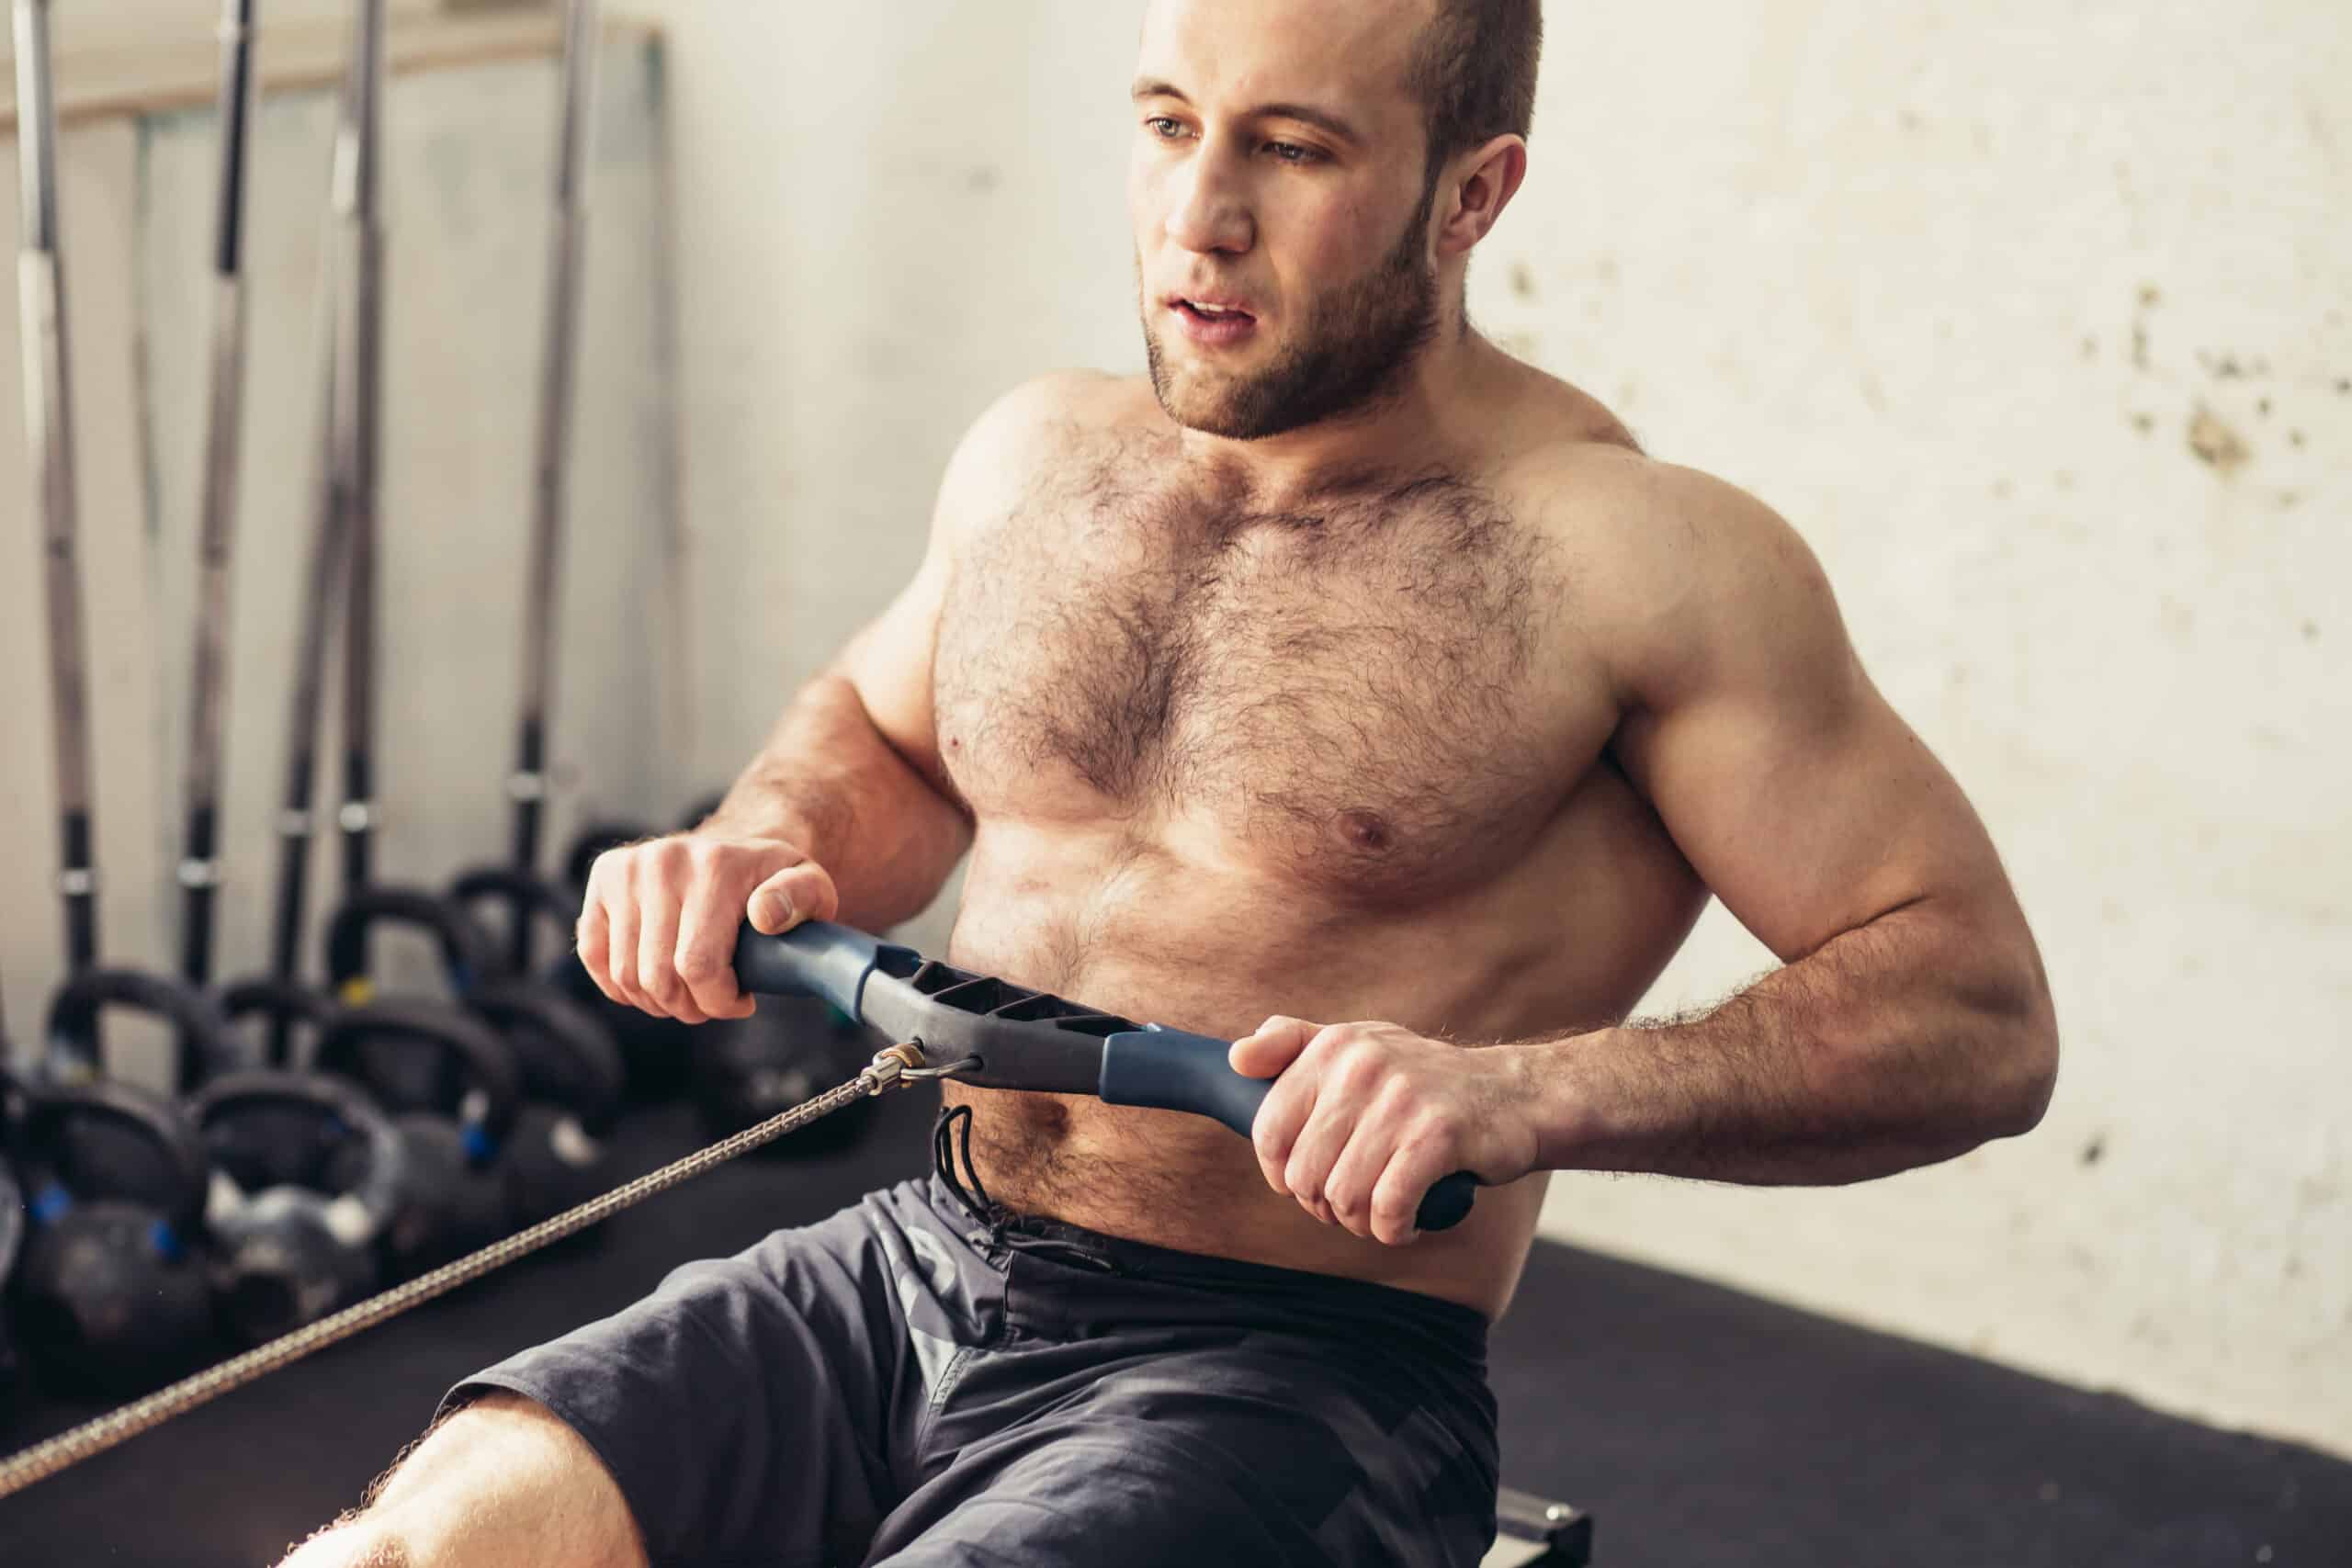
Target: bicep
[1789,783]
[888,662]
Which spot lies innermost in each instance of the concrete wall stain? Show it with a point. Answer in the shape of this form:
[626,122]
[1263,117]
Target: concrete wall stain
[2215,444]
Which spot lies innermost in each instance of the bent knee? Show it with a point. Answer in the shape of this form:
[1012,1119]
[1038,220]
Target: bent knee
[500,1482]
[352,1546]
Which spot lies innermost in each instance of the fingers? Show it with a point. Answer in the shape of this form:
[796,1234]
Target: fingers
[1347,1131]
[658,927]
[1290,1103]
[589,941]
[804,891]
[1270,1047]
[657,945]
[704,955]
[620,940]
[1315,1155]
[1419,1164]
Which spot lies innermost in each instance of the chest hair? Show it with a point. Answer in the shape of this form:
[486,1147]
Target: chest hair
[1343,682]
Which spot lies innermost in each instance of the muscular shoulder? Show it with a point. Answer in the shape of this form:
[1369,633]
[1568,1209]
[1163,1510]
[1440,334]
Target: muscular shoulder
[1045,421]
[1682,582]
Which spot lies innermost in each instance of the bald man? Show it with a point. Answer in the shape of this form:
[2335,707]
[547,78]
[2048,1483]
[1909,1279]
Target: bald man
[1345,687]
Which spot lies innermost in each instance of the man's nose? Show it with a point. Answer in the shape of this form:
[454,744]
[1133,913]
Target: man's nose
[1211,213]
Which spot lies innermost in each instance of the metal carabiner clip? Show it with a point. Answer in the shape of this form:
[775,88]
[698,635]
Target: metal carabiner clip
[898,1065]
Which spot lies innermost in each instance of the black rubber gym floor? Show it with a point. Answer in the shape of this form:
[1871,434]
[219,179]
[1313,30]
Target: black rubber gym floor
[1699,1425]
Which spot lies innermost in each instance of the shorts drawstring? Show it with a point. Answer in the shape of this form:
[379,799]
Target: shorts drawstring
[950,1121]
[951,1137]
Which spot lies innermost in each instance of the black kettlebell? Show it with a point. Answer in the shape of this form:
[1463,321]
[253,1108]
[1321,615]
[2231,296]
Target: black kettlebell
[206,1043]
[527,913]
[111,1290]
[468,955]
[453,1091]
[294,1017]
[13,1103]
[306,1180]
[792,1050]
[12,1240]
[557,1156]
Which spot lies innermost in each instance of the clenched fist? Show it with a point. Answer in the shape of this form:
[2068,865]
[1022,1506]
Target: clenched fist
[657,930]
[1364,1118]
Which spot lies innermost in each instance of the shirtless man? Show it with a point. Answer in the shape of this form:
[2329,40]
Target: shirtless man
[1345,669]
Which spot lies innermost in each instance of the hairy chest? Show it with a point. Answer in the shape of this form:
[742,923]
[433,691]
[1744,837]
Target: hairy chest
[1355,693]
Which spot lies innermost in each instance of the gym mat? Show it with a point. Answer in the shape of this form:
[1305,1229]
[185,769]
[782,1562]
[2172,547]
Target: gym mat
[1699,1425]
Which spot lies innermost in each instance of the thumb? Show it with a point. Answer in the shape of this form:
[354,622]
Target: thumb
[798,892]
[1270,1047]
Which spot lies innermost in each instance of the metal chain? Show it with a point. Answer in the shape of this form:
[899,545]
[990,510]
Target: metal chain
[898,1065]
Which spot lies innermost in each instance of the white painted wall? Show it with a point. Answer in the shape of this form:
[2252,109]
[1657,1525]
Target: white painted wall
[1886,267]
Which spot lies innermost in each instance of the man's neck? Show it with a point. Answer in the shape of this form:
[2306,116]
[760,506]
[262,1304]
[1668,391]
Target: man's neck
[1430,418]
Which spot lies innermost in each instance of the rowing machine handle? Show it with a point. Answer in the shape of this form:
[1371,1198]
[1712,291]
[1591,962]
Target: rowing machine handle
[1140,1063]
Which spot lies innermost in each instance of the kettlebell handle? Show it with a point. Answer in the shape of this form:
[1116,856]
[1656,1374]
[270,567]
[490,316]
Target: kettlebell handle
[486,1061]
[51,1109]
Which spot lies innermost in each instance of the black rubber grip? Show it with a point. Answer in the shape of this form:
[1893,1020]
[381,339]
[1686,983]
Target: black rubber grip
[816,958]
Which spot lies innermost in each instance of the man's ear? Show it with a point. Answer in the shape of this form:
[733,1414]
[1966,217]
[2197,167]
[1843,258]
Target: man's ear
[1482,182]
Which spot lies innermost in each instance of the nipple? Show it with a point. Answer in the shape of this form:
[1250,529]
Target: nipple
[1366,831]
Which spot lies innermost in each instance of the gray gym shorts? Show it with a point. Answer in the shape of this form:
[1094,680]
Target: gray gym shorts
[929,1378]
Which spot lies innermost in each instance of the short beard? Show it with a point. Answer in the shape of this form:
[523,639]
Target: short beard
[1355,347]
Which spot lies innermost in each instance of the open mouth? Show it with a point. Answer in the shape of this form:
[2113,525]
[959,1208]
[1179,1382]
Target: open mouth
[1199,312]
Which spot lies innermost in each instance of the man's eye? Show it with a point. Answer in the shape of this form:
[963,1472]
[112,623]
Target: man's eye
[1291,153]
[1163,127]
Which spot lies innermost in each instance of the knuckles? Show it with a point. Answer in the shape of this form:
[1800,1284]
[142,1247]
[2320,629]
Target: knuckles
[701,965]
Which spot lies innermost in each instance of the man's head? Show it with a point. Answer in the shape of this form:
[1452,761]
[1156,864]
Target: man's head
[1307,181]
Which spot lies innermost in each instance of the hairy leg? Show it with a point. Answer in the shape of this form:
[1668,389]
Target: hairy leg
[502,1482]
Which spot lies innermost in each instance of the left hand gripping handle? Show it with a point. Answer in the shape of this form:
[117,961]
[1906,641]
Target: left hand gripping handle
[1171,1070]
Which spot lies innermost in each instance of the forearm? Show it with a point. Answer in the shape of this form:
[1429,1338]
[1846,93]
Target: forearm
[1905,1041]
[829,782]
